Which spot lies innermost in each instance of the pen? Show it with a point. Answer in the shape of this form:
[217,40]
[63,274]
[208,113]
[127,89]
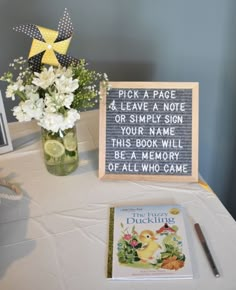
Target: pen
[206,250]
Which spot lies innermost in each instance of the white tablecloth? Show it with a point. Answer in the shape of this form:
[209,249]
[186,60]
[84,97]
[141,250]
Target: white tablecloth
[55,237]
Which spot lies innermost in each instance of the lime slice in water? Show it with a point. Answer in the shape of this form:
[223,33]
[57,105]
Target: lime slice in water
[70,142]
[54,148]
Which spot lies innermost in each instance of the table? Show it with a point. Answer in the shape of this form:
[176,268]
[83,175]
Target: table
[55,237]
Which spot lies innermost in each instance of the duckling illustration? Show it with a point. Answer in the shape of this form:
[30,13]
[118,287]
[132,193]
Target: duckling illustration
[147,237]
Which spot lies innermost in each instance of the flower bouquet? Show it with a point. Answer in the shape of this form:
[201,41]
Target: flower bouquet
[54,97]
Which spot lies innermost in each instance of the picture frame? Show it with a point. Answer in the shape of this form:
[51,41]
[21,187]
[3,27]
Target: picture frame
[5,139]
[149,131]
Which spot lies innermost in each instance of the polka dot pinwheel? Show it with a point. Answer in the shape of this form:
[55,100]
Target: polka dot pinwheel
[49,46]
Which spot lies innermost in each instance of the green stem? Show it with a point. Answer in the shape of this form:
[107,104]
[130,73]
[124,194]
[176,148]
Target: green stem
[21,95]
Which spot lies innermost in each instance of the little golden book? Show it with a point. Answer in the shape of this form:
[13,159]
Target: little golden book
[148,242]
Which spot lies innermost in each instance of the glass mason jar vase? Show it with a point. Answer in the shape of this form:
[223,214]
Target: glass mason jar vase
[60,151]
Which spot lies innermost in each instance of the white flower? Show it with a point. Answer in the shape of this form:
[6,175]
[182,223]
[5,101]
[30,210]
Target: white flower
[30,109]
[31,91]
[13,88]
[53,102]
[44,79]
[66,85]
[19,85]
[71,118]
[10,92]
[67,72]
[105,77]
[51,121]
[56,122]
[56,101]
[34,107]
[68,99]
[19,113]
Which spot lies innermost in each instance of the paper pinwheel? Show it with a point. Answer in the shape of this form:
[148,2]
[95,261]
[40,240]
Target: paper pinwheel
[49,46]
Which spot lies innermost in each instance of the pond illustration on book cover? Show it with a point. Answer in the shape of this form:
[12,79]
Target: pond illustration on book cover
[148,242]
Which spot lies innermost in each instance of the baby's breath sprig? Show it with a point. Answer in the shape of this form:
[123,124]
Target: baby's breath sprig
[86,96]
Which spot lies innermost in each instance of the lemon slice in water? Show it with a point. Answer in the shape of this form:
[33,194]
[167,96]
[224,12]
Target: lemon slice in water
[70,142]
[54,148]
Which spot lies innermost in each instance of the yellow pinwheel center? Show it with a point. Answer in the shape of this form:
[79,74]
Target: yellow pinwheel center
[49,46]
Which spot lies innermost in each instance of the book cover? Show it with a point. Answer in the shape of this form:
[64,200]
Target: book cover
[148,242]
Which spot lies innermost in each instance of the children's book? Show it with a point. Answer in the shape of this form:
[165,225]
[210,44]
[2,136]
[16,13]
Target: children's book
[148,242]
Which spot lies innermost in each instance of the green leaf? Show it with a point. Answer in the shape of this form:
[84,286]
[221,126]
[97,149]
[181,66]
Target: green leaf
[70,153]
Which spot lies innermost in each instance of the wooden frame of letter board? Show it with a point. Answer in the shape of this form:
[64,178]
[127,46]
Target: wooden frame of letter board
[151,177]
